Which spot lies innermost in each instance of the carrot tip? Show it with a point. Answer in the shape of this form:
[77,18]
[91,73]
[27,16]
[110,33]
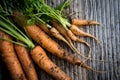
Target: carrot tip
[94,23]
[84,65]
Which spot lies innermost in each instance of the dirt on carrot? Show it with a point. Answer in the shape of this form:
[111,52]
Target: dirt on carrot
[26,62]
[9,57]
[40,57]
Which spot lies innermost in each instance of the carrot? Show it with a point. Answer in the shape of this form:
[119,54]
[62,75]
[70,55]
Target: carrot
[74,38]
[26,62]
[42,26]
[79,32]
[80,22]
[9,57]
[56,34]
[40,57]
[60,28]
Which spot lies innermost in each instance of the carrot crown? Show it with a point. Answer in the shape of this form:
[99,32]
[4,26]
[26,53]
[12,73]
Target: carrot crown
[7,26]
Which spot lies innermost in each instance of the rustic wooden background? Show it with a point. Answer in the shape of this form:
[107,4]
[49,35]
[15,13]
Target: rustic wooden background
[107,13]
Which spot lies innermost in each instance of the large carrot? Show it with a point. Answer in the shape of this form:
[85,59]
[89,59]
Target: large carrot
[26,62]
[80,22]
[10,58]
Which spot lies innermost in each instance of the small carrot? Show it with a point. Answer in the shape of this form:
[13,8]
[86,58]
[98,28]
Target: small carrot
[26,62]
[79,32]
[55,33]
[9,57]
[74,38]
[62,31]
[80,22]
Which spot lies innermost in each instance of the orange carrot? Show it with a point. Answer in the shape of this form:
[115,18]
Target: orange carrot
[79,32]
[74,38]
[62,31]
[40,57]
[56,34]
[26,62]
[80,22]
[10,58]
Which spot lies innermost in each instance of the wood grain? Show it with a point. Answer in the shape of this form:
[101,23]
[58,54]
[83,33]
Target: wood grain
[107,13]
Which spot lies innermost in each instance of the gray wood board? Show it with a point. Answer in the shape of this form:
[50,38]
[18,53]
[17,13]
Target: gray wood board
[107,13]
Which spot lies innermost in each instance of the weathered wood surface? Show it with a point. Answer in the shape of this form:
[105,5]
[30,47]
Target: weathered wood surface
[107,13]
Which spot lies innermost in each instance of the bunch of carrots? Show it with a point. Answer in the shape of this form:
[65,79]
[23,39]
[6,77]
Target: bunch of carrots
[21,27]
